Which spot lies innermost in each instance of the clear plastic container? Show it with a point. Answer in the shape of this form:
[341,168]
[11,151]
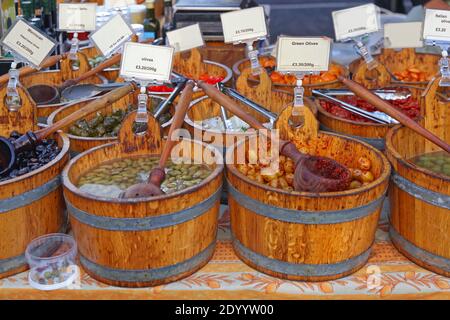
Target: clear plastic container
[52,261]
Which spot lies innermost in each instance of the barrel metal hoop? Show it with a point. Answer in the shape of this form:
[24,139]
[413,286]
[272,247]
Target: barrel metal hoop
[434,198]
[378,143]
[419,253]
[18,261]
[143,224]
[29,197]
[300,269]
[301,216]
[150,274]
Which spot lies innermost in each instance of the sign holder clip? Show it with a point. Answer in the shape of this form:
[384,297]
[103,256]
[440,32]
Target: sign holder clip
[444,63]
[363,51]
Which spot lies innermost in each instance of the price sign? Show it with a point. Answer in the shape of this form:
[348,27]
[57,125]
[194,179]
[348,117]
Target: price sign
[403,35]
[77,17]
[356,21]
[112,35]
[121,3]
[28,43]
[186,38]
[437,25]
[242,25]
[299,54]
[146,62]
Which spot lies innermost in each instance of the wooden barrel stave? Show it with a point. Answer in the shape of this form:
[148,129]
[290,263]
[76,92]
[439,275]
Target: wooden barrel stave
[289,235]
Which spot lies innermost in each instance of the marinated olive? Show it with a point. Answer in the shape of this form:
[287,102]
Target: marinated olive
[438,162]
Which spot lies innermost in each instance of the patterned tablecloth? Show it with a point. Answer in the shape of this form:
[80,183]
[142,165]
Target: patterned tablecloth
[226,277]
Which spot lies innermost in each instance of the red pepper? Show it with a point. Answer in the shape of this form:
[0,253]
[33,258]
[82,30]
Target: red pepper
[162,88]
[210,79]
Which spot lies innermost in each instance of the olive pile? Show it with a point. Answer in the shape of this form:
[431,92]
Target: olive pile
[280,173]
[93,62]
[438,162]
[111,178]
[100,125]
[31,160]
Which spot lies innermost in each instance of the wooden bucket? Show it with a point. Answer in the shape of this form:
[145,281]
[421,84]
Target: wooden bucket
[372,133]
[245,64]
[147,241]
[57,77]
[31,205]
[109,73]
[302,235]
[80,144]
[393,61]
[192,65]
[420,199]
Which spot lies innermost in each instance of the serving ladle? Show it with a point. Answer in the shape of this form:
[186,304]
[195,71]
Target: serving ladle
[312,173]
[9,150]
[153,185]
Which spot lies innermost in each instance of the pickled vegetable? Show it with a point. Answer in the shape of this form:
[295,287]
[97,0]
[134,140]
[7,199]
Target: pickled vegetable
[111,178]
[438,162]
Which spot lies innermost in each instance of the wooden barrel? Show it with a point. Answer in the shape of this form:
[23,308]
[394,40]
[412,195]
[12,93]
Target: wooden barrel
[394,61]
[56,78]
[372,133]
[302,235]
[245,64]
[146,241]
[80,144]
[420,199]
[31,205]
[192,65]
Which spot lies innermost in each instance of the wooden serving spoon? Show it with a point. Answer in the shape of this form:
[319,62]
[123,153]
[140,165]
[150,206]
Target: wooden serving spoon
[312,173]
[48,62]
[9,150]
[390,110]
[153,186]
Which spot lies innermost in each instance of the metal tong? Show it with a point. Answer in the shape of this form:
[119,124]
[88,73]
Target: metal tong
[376,116]
[255,106]
[386,94]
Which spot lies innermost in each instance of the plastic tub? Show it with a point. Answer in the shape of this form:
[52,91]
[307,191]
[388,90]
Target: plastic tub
[52,261]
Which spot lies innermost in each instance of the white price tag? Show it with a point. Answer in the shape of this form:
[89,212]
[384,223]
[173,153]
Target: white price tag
[146,62]
[121,3]
[299,54]
[356,21]
[28,43]
[403,35]
[186,38]
[241,25]
[112,35]
[77,16]
[436,25]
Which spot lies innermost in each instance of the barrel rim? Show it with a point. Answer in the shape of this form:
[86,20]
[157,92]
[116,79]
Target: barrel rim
[52,116]
[67,183]
[390,150]
[384,176]
[237,73]
[62,153]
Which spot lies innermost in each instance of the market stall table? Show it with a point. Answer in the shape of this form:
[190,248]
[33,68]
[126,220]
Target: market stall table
[226,277]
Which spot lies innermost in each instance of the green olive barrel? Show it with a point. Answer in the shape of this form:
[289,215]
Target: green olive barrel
[302,235]
[80,144]
[420,202]
[31,205]
[145,241]
[95,57]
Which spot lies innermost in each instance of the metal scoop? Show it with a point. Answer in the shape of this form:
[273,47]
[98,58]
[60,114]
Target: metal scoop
[83,91]
[312,173]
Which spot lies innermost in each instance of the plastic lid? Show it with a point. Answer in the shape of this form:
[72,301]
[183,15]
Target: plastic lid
[137,27]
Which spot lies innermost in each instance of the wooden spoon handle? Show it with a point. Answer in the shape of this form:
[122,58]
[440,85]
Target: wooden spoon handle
[387,108]
[93,106]
[229,104]
[177,121]
[48,62]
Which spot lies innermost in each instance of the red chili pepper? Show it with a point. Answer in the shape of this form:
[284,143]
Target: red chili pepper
[210,79]
[162,88]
